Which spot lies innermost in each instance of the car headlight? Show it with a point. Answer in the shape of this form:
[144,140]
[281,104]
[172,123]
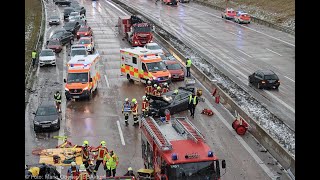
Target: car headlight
[66,89]
[155,78]
[36,122]
[86,88]
[169,75]
[55,121]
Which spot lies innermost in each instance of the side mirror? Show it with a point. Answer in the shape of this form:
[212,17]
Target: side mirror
[90,80]
[64,80]
[223,164]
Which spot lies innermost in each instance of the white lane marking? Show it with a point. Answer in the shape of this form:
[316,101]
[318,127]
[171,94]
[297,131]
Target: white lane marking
[289,78]
[244,53]
[273,52]
[211,35]
[235,34]
[244,26]
[116,7]
[120,132]
[241,141]
[105,76]
[286,105]
[57,71]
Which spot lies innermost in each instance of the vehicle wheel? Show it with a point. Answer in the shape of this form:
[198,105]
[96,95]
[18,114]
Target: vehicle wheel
[259,86]
[250,80]
[36,130]
[128,77]
[249,22]
[90,95]
[277,88]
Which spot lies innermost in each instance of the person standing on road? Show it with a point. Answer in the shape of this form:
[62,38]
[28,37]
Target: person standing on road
[57,98]
[154,91]
[102,151]
[165,88]
[85,153]
[134,109]
[110,163]
[188,64]
[193,101]
[34,57]
[145,106]
[126,109]
[158,93]
[148,89]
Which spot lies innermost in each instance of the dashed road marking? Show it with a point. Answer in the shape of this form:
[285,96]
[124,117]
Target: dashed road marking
[244,53]
[274,52]
[105,77]
[121,134]
[289,78]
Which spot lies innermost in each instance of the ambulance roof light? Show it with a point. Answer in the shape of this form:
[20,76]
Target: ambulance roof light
[174,156]
[210,154]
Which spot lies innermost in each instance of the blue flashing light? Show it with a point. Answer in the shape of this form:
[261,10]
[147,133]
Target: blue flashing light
[85,65]
[174,156]
[145,56]
[210,154]
[71,65]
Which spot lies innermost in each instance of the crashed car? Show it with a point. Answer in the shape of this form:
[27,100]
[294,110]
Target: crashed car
[173,102]
[41,171]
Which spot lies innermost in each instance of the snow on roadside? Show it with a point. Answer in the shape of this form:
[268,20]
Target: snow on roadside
[274,126]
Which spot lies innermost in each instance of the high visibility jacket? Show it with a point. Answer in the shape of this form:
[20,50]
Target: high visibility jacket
[33,54]
[135,109]
[154,92]
[85,154]
[84,175]
[102,151]
[126,107]
[145,105]
[57,97]
[148,90]
[111,161]
[73,173]
[189,63]
[164,90]
[194,100]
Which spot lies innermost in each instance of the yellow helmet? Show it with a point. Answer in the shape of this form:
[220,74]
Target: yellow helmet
[130,169]
[134,100]
[175,91]
[102,143]
[158,88]
[85,143]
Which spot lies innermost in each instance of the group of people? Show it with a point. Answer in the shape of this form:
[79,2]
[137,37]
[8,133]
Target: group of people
[108,159]
[156,90]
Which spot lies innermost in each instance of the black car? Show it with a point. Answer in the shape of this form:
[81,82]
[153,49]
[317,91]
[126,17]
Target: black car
[67,11]
[46,171]
[63,36]
[173,102]
[47,117]
[62,2]
[264,79]
[72,27]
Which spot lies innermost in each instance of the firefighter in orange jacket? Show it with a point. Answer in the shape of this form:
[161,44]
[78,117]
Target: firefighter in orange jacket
[102,151]
[134,109]
[165,88]
[158,93]
[85,153]
[145,106]
[84,175]
[154,90]
[148,89]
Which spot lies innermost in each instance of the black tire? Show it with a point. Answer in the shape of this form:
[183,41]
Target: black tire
[90,95]
[259,86]
[276,88]
[249,81]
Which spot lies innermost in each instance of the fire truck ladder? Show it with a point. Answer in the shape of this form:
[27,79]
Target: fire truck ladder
[189,128]
[154,130]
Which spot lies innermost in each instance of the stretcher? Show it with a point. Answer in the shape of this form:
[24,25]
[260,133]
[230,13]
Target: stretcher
[46,156]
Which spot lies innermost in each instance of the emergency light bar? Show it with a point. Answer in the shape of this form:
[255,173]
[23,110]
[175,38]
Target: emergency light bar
[174,156]
[210,154]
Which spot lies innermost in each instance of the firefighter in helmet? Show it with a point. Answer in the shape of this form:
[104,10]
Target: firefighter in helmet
[148,89]
[154,91]
[165,88]
[126,109]
[158,93]
[102,151]
[134,109]
[85,153]
[145,106]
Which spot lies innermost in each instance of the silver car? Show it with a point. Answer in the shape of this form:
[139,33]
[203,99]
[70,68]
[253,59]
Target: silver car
[54,20]
[47,57]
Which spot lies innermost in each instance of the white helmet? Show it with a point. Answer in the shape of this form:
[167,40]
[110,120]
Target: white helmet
[73,163]
[155,85]
[149,82]
[126,99]
[165,84]
[144,97]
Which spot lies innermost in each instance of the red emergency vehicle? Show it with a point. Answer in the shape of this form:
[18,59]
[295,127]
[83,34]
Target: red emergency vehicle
[177,150]
[135,30]
[170,2]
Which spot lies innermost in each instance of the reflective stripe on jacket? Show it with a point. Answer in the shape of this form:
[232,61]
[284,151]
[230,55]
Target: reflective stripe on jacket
[189,63]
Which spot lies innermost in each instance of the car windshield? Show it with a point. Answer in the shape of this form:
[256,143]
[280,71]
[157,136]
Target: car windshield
[54,43]
[142,29]
[84,41]
[57,35]
[54,17]
[163,57]
[75,52]
[46,111]
[46,53]
[271,77]
[83,29]
[194,171]
[154,47]
[174,66]
[77,77]
[156,66]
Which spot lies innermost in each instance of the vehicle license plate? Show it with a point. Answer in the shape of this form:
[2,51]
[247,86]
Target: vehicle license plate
[76,97]
[45,126]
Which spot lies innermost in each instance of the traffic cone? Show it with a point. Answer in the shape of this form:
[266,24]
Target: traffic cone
[214,91]
[217,99]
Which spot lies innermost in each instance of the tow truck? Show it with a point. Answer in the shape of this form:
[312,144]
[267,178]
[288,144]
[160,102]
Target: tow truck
[135,30]
[177,150]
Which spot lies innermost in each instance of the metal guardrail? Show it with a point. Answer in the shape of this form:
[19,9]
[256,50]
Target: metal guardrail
[253,19]
[39,41]
[274,147]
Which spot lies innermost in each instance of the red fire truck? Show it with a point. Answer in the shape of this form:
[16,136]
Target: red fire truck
[177,151]
[135,30]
